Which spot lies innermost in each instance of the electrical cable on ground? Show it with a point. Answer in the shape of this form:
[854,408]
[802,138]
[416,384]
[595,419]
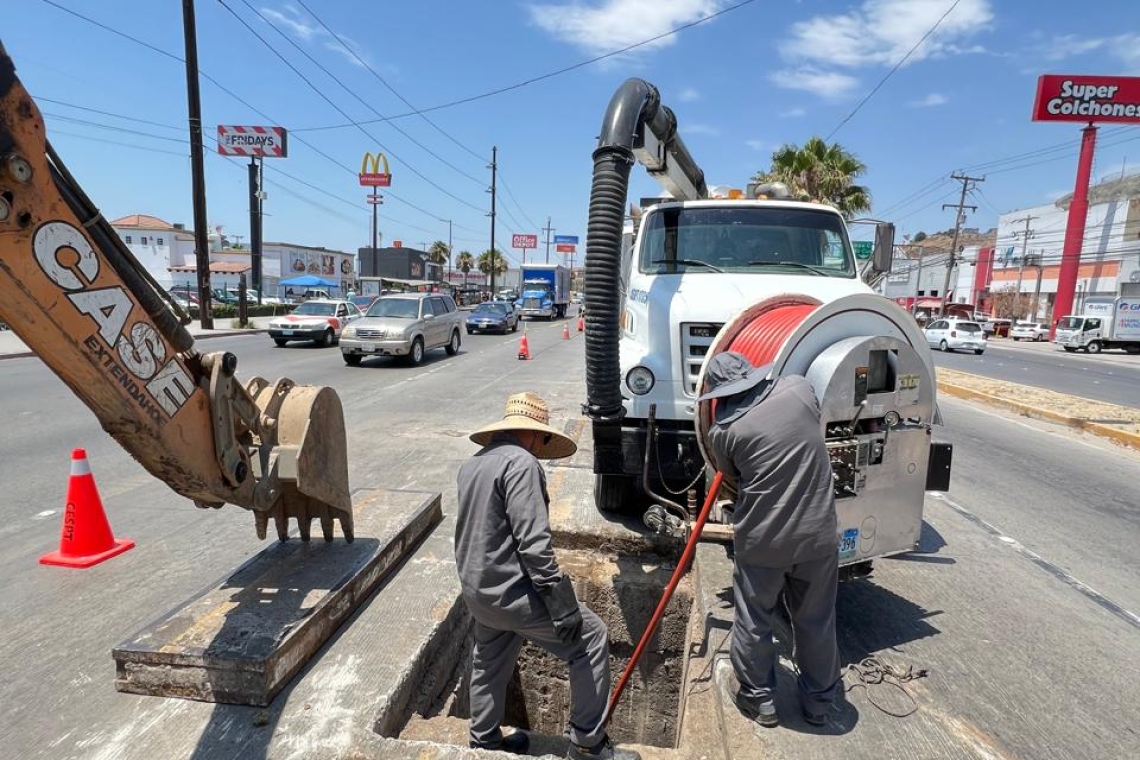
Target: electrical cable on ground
[873,672]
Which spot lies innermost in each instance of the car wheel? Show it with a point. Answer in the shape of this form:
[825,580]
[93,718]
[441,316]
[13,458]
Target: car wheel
[352,360]
[453,346]
[280,342]
[470,331]
[943,346]
[1015,340]
[979,351]
[515,328]
[326,340]
[416,355]
[1094,347]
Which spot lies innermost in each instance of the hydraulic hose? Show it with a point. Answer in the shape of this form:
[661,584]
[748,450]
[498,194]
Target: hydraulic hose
[678,573]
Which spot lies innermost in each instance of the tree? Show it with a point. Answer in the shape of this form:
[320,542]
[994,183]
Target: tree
[919,236]
[500,262]
[439,253]
[466,262]
[822,173]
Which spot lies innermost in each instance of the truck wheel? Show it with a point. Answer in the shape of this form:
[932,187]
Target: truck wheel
[615,493]
[416,355]
[453,345]
[1094,347]
[1132,350]
[352,360]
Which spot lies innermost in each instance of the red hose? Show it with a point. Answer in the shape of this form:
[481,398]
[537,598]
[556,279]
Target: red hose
[761,340]
[678,573]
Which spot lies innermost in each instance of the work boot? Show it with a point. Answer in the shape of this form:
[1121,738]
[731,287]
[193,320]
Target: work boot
[517,743]
[603,750]
[761,710]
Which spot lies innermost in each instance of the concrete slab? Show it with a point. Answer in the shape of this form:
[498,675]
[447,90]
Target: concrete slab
[242,639]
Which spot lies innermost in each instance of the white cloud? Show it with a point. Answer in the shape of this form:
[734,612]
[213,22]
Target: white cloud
[688,95]
[828,84]
[882,31]
[930,101]
[791,113]
[1125,48]
[1069,45]
[701,129]
[308,31]
[762,145]
[599,26]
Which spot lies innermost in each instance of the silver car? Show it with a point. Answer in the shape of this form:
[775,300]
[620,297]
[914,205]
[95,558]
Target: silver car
[404,325]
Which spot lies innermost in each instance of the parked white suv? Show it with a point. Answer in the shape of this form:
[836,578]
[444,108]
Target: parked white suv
[1034,331]
[956,335]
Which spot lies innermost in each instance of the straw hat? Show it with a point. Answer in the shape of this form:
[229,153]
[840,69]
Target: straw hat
[527,411]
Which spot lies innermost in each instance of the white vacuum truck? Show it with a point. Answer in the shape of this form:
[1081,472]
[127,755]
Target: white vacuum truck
[771,278]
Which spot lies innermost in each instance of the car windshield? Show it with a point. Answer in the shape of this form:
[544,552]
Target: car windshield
[313,309]
[363,300]
[1070,323]
[746,239]
[399,308]
[970,327]
[493,309]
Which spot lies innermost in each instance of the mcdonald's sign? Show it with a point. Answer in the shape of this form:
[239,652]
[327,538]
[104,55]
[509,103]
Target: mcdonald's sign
[370,174]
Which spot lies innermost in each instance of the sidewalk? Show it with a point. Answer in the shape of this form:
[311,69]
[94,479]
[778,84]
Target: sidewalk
[11,347]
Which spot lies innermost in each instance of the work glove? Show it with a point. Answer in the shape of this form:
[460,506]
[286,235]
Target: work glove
[563,607]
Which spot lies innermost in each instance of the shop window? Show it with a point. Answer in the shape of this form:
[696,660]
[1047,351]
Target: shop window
[159,241]
[127,239]
[142,240]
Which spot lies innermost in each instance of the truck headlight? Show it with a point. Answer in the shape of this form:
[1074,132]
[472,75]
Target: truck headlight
[348,332]
[640,380]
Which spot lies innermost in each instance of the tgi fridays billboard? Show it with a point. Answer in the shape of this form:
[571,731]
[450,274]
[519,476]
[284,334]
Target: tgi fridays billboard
[1061,97]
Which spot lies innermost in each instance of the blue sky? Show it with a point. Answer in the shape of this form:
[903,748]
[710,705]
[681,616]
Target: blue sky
[741,84]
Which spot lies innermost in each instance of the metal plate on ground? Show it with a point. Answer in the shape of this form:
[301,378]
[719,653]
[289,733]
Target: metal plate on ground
[241,640]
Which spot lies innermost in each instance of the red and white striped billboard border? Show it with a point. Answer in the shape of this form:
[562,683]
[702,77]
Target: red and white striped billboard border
[268,142]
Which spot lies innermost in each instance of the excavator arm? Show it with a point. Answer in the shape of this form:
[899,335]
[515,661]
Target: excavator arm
[76,296]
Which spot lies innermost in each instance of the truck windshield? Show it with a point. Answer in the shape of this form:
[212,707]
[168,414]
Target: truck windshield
[1070,323]
[756,240]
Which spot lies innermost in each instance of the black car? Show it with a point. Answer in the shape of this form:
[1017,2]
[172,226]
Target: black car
[493,316]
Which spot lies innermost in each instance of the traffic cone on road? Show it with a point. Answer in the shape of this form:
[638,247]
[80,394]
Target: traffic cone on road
[86,537]
[565,331]
[524,348]
[581,323]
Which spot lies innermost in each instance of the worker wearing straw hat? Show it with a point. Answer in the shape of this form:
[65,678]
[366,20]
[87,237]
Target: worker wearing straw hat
[513,586]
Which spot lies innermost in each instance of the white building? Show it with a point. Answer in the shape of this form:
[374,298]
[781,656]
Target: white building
[167,251]
[1110,254]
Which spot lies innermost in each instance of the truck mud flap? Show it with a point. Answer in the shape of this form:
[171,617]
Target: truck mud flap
[938,471]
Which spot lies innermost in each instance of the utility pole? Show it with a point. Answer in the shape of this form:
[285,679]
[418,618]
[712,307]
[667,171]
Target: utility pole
[448,253]
[255,198]
[959,217]
[917,284]
[548,229]
[1028,233]
[197,170]
[494,167]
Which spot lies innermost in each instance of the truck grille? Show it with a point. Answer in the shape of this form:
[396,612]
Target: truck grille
[369,332]
[696,337]
[532,303]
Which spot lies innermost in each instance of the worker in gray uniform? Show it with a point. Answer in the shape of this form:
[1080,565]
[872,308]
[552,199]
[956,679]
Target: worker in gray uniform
[514,588]
[766,436]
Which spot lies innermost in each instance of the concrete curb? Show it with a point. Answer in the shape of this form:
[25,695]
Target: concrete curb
[227,334]
[1096,428]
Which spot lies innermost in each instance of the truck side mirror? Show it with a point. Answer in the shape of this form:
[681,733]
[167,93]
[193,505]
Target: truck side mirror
[884,251]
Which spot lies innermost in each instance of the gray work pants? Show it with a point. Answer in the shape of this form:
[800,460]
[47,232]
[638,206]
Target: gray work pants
[493,663]
[810,591]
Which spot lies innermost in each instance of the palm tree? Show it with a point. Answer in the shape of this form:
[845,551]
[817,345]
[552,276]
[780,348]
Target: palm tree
[439,253]
[466,262]
[822,173]
[500,262]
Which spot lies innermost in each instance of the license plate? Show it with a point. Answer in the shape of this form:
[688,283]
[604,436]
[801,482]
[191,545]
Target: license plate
[369,348]
[286,332]
[849,543]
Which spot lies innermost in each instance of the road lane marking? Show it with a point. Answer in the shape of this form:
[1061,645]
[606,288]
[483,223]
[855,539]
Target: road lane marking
[1059,432]
[1054,570]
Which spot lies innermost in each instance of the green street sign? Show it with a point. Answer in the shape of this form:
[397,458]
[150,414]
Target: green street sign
[863,249]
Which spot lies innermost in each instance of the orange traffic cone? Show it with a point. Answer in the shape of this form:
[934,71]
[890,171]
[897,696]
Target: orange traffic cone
[581,323]
[86,537]
[565,331]
[524,348]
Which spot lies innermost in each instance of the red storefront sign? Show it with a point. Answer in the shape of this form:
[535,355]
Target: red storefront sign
[1061,97]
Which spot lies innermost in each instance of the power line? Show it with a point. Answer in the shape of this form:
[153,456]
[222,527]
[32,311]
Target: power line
[348,48]
[548,75]
[895,68]
[338,109]
[516,201]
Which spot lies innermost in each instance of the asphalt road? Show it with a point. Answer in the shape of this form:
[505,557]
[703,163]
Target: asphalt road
[1112,377]
[1021,603]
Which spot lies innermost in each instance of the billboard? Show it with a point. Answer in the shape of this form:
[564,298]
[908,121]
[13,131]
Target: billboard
[570,239]
[524,241]
[563,248]
[370,174]
[1061,97]
[269,142]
